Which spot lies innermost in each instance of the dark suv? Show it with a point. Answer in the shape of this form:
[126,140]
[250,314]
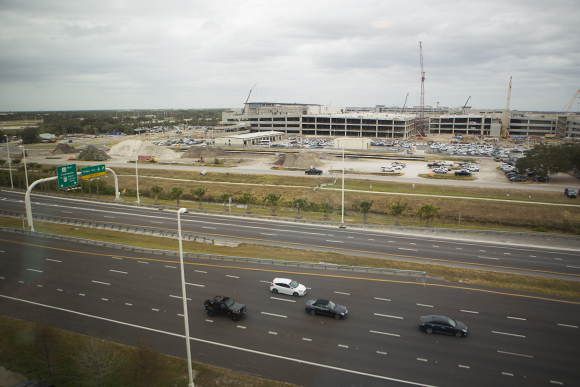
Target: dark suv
[224,305]
[570,193]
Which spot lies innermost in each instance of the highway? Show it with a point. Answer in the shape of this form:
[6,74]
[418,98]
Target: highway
[533,260]
[514,338]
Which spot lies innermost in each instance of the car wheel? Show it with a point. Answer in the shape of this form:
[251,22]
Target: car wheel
[429,330]
[210,313]
[313,312]
[235,317]
[275,291]
[295,294]
[337,316]
[458,334]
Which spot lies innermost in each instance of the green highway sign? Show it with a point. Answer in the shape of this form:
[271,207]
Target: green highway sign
[94,171]
[67,176]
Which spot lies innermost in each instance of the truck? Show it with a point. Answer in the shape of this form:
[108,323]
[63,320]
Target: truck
[146,159]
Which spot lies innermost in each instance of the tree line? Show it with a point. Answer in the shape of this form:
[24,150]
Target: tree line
[547,160]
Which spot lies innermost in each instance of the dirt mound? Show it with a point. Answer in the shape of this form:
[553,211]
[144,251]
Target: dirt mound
[129,148]
[63,149]
[202,151]
[302,160]
[91,153]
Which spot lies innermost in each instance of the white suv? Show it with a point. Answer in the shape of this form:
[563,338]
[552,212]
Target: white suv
[287,286]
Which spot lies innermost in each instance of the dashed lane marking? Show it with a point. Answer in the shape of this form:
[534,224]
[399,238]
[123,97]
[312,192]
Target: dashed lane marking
[282,299]
[232,276]
[38,271]
[306,339]
[180,297]
[102,283]
[515,354]
[53,260]
[386,315]
[382,299]
[479,256]
[275,315]
[507,374]
[516,318]
[462,366]
[568,326]
[201,271]
[469,311]
[272,333]
[385,333]
[343,346]
[198,285]
[508,334]
[346,294]
[117,271]
[381,353]
[428,306]
[420,359]
[171,267]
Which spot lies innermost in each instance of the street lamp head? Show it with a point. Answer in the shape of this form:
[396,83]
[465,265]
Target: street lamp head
[182,210]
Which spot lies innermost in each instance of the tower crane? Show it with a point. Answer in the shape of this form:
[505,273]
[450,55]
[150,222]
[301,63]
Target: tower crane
[405,104]
[572,102]
[422,108]
[247,99]
[504,127]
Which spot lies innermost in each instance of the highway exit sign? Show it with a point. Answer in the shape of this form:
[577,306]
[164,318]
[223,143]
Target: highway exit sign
[92,172]
[67,176]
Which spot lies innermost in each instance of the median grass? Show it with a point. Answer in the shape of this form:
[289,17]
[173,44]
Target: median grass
[491,279]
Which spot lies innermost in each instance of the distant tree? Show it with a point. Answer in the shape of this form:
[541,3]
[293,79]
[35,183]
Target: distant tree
[326,207]
[45,340]
[2,162]
[29,135]
[156,191]
[97,360]
[198,194]
[224,199]
[397,209]
[176,193]
[21,169]
[299,203]
[427,212]
[274,201]
[146,366]
[365,207]
[247,198]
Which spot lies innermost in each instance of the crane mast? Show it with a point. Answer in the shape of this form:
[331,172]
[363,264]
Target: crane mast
[572,102]
[422,107]
[504,127]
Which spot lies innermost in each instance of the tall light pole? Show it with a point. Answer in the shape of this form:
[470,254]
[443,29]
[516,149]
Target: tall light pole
[185,318]
[342,212]
[137,171]
[25,169]
[9,161]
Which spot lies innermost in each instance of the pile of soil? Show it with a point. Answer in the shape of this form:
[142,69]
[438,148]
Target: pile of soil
[201,151]
[91,153]
[302,160]
[129,148]
[63,149]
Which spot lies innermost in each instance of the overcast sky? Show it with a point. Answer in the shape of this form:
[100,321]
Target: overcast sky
[125,54]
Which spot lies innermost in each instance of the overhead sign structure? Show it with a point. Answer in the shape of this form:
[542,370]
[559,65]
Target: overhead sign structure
[67,176]
[92,172]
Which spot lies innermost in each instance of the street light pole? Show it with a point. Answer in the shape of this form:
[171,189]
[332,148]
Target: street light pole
[342,212]
[185,318]
[25,169]
[137,171]
[9,161]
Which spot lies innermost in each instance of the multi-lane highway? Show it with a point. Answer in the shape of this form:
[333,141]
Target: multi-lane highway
[514,338]
[532,260]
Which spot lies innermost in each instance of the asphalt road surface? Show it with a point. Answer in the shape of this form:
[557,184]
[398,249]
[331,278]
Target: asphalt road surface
[514,338]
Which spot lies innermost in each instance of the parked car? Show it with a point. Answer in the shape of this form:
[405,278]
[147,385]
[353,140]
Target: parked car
[441,170]
[287,286]
[397,167]
[313,171]
[543,179]
[387,169]
[442,324]
[462,172]
[474,169]
[224,305]
[570,193]
[518,178]
[327,308]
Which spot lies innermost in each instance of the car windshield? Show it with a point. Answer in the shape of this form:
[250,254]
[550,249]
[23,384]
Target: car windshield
[452,322]
[331,304]
[294,284]
[229,302]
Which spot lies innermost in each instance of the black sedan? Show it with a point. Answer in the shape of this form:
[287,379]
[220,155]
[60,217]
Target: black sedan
[327,308]
[442,324]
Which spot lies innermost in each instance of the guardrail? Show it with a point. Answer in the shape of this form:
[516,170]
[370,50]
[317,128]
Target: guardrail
[322,265]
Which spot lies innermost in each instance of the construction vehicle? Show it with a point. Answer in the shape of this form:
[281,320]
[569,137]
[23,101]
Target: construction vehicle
[147,159]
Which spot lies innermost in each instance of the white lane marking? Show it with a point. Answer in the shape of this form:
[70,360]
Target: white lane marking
[99,282]
[181,315]
[112,217]
[81,294]
[515,354]
[126,303]
[385,333]
[247,350]
[67,212]
[211,228]
[459,248]
[241,327]
[40,286]
[469,311]
[382,299]
[21,282]
[263,233]
[556,382]
[434,246]
[462,366]
[346,294]
[343,346]
[306,339]
[272,333]
[507,374]
[413,244]
[568,326]
[391,241]
[381,353]
[171,267]
[143,262]
[39,271]
[328,240]
[201,271]
[152,221]
[116,257]
[282,299]
[428,306]
[516,318]
[267,282]
[558,259]
[371,239]
[117,271]
[59,290]
[507,253]
[232,276]
[352,237]
[180,297]
[400,248]
[479,256]
[421,359]
[206,320]
[482,251]
[275,315]
[198,285]
[532,256]
[53,260]
[105,299]
[508,334]
[386,315]
[574,267]
[155,310]
[2,278]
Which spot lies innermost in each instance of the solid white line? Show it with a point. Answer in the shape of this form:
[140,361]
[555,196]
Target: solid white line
[171,267]
[334,241]
[386,315]
[282,299]
[180,297]
[99,282]
[568,326]
[346,294]
[201,271]
[272,333]
[479,256]
[382,299]
[39,271]
[275,315]
[507,374]
[117,271]
[53,260]
[385,333]
[343,346]
[517,318]
[381,353]
[305,339]
[508,334]
[400,248]
[515,354]
[232,276]
[421,359]
[462,366]
[294,360]
[428,306]
[201,286]
[469,311]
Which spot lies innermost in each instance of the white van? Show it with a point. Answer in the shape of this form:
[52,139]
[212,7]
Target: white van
[446,163]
